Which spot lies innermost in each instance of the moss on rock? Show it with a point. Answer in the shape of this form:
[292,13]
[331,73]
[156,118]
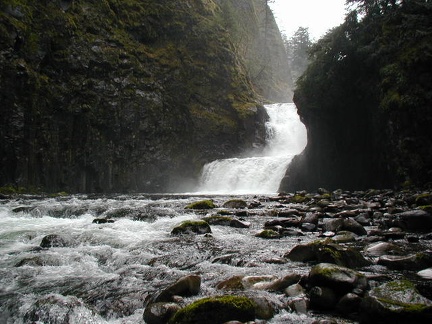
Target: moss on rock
[191,227]
[216,310]
[202,204]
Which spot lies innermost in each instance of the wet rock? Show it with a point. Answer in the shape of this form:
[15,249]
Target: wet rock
[298,301]
[341,280]
[239,224]
[344,237]
[311,218]
[348,304]
[414,262]
[185,286]
[218,220]
[308,227]
[332,225]
[322,298]
[284,222]
[277,284]
[349,224]
[383,248]
[425,274]
[396,301]
[250,282]
[202,204]
[191,227]
[414,220]
[423,199]
[102,221]
[324,251]
[363,219]
[302,253]
[295,290]
[268,234]
[54,240]
[160,313]
[216,310]
[235,203]
[233,283]
[264,308]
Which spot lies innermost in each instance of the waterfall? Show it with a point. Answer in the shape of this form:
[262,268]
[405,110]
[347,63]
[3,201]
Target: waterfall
[286,137]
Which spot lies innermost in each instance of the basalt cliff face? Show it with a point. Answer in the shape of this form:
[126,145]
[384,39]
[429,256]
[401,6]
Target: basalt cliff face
[100,96]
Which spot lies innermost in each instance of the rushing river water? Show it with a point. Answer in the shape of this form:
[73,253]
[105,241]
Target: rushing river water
[105,272]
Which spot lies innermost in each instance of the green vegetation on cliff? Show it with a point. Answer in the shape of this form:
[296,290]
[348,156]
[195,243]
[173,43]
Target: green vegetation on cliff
[366,100]
[119,95]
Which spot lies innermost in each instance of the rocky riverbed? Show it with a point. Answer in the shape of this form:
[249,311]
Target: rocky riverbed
[319,257]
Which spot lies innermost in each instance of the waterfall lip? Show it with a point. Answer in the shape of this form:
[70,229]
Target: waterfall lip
[259,174]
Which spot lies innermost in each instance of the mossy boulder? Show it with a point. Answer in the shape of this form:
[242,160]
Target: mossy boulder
[341,280]
[191,227]
[202,204]
[216,310]
[235,203]
[218,220]
[396,301]
[329,252]
[268,234]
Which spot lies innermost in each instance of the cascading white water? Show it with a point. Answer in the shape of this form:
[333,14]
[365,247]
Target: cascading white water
[286,137]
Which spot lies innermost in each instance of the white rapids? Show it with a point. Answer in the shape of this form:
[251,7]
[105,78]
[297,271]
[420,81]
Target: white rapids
[286,137]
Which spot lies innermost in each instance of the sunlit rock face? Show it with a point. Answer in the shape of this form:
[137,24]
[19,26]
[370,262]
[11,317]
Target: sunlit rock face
[127,95]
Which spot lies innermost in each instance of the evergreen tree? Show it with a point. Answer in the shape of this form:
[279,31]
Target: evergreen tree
[297,49]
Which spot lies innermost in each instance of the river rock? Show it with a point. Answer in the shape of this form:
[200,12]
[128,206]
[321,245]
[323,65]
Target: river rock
[349,224]
[54,240]
[218,220]
[216,310]
[398,302]
[239,224]
[160,313]
[202,204]
[235,203]
[425,274]
[382,248]
[232,283]
[268,234]
[332,225]
[324,251]
[349,303]
[322,298]
[191,227]
[414,220]
[278,284]
[298,300]
[312,218]
[341,280]
[414,262]
[185,286]
[344,237]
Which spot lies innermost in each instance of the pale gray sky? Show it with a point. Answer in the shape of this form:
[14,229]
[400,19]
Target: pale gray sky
[318,15]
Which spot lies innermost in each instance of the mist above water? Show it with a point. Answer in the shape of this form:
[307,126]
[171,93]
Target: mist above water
[286,137]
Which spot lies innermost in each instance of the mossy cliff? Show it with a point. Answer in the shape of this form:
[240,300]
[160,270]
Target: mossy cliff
[366,102]
[131,95]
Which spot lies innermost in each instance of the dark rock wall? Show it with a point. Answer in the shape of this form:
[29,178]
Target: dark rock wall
[366,102]
[120,95]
